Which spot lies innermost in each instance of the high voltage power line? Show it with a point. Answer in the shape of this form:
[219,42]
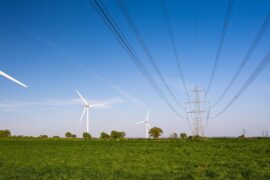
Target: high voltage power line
[109,21]
[264,62]
[224,30]
[173,44]
[251,49]
[140,39]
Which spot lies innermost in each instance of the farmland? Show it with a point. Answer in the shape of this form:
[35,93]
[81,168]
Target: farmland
[135,159]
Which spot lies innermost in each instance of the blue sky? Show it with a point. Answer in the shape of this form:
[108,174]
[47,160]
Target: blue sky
[56,47]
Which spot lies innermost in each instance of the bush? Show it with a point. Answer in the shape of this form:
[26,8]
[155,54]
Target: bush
[242,136]
[123,134]
[73,136]
[173,136]
[86,136]
[43,136]
[183,136]
[197,137]
[104,135]
[5,133]
[68,135]
[117,135]
[56,137]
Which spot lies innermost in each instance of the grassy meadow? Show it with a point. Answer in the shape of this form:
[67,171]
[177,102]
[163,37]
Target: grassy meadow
[135,159]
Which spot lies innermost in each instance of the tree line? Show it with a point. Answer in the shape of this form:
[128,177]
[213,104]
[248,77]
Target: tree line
[154,132]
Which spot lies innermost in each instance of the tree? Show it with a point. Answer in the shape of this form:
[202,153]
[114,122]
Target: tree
[5,133]
[117,135]
[242,136]
[123,134]
[68,135]
[73,136]
[43,136]
[56,137]
[104,135]
[196,137]
[173,136]
[183,136]
[114,135]
[155,132]
[86,136]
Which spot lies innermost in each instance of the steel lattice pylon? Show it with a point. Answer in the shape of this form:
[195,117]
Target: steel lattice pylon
[197,113]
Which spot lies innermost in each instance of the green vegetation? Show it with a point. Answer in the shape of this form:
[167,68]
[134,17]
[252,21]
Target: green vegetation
[5,133]
[86,136]
[242,136]
[43,136]
[173,136]
[155,132]
[70,135]
[104,135]
[135,159]
[117,135]
[183,136]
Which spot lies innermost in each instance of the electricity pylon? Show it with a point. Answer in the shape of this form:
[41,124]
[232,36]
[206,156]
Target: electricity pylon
[196,113]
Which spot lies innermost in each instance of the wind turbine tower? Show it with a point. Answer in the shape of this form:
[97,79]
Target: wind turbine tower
[147,125]
[86,109]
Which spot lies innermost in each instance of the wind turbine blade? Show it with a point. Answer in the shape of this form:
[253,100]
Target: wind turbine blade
[12,79]
[140,122]
[82,114]
[97,105]
[82,98]
[147,116]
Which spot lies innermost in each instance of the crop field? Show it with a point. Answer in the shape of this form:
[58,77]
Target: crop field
[135,159]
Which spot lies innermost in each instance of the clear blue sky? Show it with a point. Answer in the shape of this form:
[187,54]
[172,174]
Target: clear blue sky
[58,46]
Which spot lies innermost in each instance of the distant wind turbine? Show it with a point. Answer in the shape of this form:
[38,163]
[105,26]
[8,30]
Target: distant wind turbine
[86,109]
[12,79]
[147,125]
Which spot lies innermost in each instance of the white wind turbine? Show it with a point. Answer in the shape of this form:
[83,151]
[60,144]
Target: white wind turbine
[147,125]
[86,109]
[12,79]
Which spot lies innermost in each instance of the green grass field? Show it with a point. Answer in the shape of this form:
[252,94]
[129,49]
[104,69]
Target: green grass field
[135,159]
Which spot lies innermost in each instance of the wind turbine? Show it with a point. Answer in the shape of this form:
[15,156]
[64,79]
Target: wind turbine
[86,109]
[147,125]
[12,79]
